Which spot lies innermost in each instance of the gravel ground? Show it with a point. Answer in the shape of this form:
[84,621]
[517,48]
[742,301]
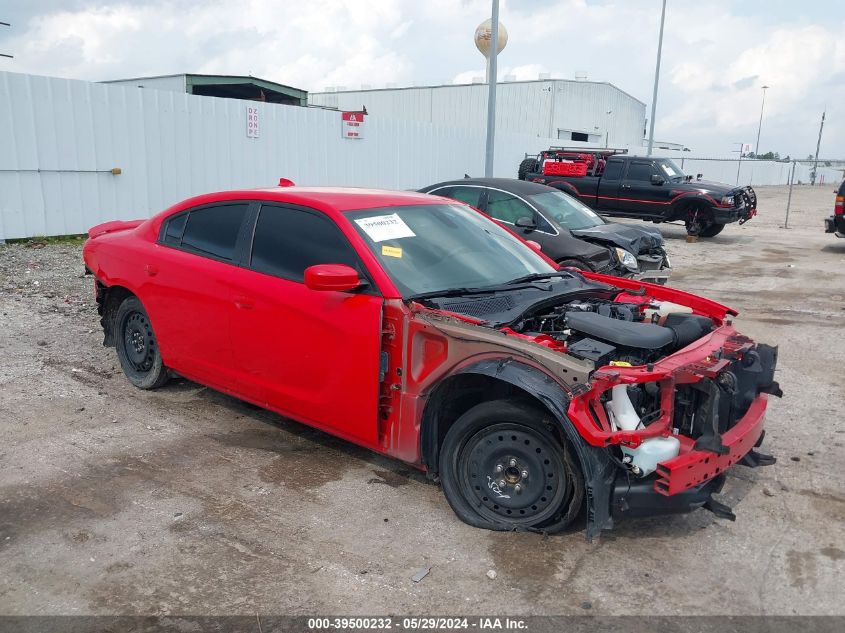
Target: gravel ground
[186,501]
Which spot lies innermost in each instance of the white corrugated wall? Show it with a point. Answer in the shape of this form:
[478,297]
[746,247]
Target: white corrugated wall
[60,138]
[532,108]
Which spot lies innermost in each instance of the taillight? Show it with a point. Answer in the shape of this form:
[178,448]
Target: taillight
[839,207]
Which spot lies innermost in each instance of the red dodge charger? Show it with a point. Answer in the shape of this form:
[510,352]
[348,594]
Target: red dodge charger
[419,328]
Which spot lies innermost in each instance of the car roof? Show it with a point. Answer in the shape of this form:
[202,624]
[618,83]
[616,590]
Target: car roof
[338,198]
[511,185]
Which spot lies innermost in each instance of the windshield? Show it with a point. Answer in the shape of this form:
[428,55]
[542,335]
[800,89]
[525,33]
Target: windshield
[433,247]
[672,172]
[566,210]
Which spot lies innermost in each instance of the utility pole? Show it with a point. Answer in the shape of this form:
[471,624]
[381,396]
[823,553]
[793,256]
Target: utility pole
[4,54]
[818,144]
[760,126]
[656,81]
[607,129]
[491,91]
[739,163]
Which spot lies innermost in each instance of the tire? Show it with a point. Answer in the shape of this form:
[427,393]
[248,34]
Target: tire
[712,231]
[699,220]
[503,468]
[574,263]
[527,166]
[137,348]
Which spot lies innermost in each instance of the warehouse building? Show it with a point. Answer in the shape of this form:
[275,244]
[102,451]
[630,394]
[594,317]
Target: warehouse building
[223,86]
[575,112]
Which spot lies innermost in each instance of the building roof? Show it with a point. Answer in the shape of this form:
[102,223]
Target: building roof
[234,87]
[500,83]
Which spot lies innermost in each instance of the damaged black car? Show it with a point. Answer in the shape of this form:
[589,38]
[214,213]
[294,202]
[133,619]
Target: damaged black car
[568,231]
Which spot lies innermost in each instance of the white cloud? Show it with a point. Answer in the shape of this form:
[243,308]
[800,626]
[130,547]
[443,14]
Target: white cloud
[717,53]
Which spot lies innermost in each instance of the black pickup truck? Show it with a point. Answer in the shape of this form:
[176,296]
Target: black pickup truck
[648,188]
[836,223]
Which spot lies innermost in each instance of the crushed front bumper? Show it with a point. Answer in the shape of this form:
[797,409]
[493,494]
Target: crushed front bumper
[654,267]
[713,397]
[694,467]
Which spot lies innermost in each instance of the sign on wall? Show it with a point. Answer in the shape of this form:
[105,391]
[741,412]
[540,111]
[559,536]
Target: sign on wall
[252,128]
[352,124]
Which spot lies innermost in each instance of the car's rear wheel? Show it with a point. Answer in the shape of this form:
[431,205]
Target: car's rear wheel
[137,347]
[527,166]
[502,467]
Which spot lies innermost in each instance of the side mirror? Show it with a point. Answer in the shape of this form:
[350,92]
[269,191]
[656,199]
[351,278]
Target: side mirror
[535,246]
[657,179]
[337,277]
[526,223]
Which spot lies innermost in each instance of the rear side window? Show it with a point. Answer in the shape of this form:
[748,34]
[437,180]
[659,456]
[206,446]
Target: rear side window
[287,241]
[463,194]
[173,229]
[640,171]
[214,231]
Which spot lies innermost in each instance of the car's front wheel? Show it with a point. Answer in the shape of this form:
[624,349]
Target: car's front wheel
[137,347]
[711,231]
[503,468]
[699,221]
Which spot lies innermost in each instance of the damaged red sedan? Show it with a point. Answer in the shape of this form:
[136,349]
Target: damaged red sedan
[419,328]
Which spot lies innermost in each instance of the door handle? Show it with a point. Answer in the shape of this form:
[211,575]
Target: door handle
[244,303]
[626,186]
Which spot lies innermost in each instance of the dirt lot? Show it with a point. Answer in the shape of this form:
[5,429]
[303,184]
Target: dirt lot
[182,500]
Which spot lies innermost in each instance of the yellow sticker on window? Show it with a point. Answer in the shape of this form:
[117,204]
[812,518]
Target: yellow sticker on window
[391,251]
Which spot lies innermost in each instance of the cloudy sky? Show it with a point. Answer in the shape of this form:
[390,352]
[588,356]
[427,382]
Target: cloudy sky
[717,53]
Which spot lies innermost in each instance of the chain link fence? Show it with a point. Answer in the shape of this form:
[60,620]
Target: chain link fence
[760,173]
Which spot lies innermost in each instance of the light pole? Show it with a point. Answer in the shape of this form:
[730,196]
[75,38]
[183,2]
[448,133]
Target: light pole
[739,163]
[607,129]
[4,54]
[760,126]
[818,145]
[487,41]
[656,81]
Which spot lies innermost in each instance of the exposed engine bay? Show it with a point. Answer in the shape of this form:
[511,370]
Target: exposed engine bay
[646,422]
[605,331]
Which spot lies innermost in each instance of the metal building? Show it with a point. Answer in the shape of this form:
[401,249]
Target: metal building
[576,112]
[225,86]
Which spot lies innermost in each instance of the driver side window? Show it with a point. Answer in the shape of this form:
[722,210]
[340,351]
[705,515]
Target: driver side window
[640,171]
[287,241]
[507,208]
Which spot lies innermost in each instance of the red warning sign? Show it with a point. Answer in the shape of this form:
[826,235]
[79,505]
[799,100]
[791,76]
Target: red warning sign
[352,125]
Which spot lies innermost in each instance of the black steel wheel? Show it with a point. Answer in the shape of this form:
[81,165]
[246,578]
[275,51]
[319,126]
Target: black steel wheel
[137,348]
[503,468]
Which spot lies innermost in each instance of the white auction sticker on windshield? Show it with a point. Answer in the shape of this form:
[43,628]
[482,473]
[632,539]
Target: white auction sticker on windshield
[385,227]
